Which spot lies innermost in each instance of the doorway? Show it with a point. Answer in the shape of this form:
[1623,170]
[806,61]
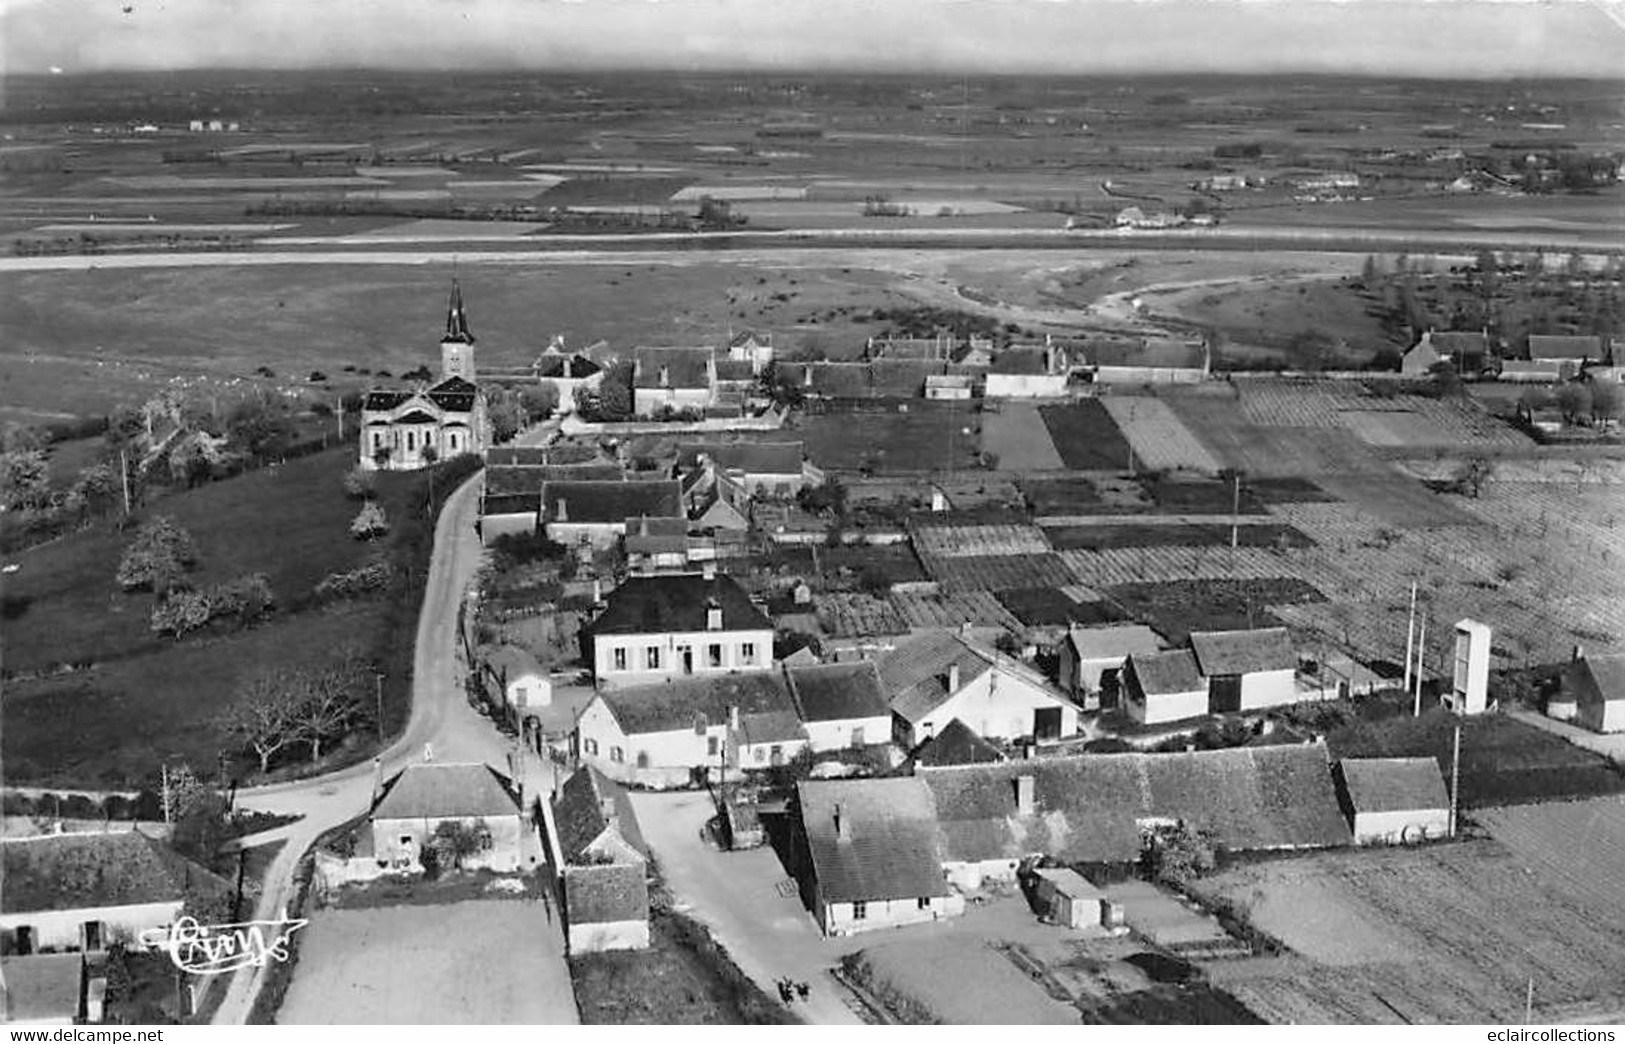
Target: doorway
[1047,723]
[1224,694]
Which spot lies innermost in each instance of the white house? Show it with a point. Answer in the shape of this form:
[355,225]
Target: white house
[933,677]
[421,797]
[86,892]
[949,386]
[841,705]
[671,626]
[1025,372]
[1092,659]
[594,512]
[774,468]
[603,865]
[673,379]
[1247,670]
[1595,685]
[524,684]
[869,855]
[1392,801]
[1160,687]
[753,348]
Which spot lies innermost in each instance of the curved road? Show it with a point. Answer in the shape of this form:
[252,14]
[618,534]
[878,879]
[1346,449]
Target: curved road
[441,717]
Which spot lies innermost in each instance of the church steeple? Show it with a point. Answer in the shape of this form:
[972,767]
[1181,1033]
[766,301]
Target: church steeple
[457,319]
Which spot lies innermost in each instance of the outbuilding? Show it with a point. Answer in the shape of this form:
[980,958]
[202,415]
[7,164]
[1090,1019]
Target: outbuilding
[1068,898]
[1392,801]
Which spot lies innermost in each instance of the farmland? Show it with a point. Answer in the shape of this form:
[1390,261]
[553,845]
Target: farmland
[1086,436]
[919,440]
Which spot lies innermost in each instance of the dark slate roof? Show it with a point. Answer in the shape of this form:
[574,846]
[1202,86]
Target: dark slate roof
[838,691]
[891,849]
[735,370]
[1393,784]
[1086,806]
[957,745]
[603,503]
[529,478]
[553,365]
[511,504]
[384,400]
[775,726]
[606,894]
[1453,342]
[41,986]
[685,367]
[1161,673]
[83,871]
[417,417]
[454,395]
[1561,346]
[678,704]
[1595,679]
[753,458]
[660,604]
[531,456]
[1148,352]
[1022,360]
[915,673]
[579,813]
[444,790]
[1243,652]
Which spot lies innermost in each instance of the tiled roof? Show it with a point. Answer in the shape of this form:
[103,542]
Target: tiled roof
[1453,342]
[735,370]
[531,456]
[1561,346]
[1162,673]
[838,691]
[775,726]
[511,662]
[511,504]
[606,894]
[957,745]
[915,674]
[1393,784]
[1595,678]
[890,849]
[680,703]
[753,458]
[579,813]
[604,503]
[682,367]
[1101,643]
[454,395]
[444,790]
[40,987]
[662,604]
[1022,361]
[82,871]
[382,400]
[1243,652]
[529,478]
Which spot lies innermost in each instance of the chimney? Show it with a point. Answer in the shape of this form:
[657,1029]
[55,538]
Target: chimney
[938,501]
[843,828]
[953,678]
[733,717]
[964,629]
[1024,795]
[713,617]
[561,511]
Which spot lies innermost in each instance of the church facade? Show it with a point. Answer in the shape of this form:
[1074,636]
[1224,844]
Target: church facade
[405,430]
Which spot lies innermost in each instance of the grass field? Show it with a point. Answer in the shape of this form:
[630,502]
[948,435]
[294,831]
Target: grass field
[1016,434]
[890,443]
[478,962]
[1086,437]
[962,985]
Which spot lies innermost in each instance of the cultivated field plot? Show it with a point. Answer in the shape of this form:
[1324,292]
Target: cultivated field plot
[1052,607]
[1272,452]
[1085,436]
[857,615]
[979,608]
[965,541]
[1174,608]
[1018,437]
[1394,428]
[969,984]
[1377,415]
[920,440]
[1159,438]
[1101,537]
[1552,835]
[1149,563]
[400,965]
[997,572]
[1398,500]
[1459,928]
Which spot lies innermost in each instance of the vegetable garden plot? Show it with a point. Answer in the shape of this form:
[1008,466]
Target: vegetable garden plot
[1545,835]
[968,541]
[1286,490]
[1260,451]
[1399,500]
[979,608]
[1296,404]
[997,572]
[1395,428]
[1174,495]
[1176,608]
[857,616]
[1051,607]
[1101,537]
[1159,438]
[1085,436]
[1131,565]
[1019,438]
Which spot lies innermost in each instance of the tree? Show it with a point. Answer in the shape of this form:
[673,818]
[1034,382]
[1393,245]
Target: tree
[1181,855]
[263,714]
[1607,402]
[505,415]
[615,392]
[95,487]
[197,813]
[181,613]
[25,479]
[539,402]
[158,556]
[246,598]
[1445,380]
[327,705]
[1369,272]
[22,438]
[1471,475]
[258,428]
[360,484]
[189,463]
[455,840]
[369,522]
[1574,399]
[430,455]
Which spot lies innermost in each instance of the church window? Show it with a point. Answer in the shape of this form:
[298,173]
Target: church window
[411,441]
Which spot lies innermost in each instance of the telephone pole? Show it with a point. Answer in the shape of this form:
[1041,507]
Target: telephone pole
[1410,639]
[1421,650]
[1455,779]
[124,479]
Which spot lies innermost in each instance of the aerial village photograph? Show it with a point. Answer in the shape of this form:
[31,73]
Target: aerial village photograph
[812,512]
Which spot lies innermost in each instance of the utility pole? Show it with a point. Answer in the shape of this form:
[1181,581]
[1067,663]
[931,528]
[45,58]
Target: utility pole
[1529,1003]
[165,773]
[1421,650]
[1455,779]
[378,693]
[1235,513]
[124,478]
[1410,639]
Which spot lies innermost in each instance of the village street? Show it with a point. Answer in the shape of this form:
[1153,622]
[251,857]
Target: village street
[442,724]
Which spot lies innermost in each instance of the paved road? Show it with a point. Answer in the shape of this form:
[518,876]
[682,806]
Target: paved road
[441,719]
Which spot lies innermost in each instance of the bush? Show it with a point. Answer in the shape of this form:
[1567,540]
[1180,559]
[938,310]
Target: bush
[360,484]
[369,522]
[368,578]
[181,613]
[157,557]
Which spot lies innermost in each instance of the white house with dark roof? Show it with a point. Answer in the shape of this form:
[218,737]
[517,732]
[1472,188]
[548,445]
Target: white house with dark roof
[1568,352]
[772,468]
[1391,801]
[524,684]
[1247,670]
[1092,659]
[672,626]
[405,430]
[1595,686]
[602,863]
[673,379]
[841,705]
[869,855]
[1159,687]
[566,372]
[1466,350]
[933,677]
[413,804]
[753,348]
[595,512]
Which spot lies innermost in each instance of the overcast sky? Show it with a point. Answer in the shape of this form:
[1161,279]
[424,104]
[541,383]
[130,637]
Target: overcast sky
[1404,37]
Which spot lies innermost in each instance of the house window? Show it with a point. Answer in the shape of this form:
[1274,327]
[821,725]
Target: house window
[643,759]
[451,439]
[411,441]
[713,655]
[521,695]
[651,657]
[699,724]
[776,756]
[711,745]
[857,736]
[747,653]
[860,910]
[923,903]
[617,755]
[758,754]
[620,659]
[590,746]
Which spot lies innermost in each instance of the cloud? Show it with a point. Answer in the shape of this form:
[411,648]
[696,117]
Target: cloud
[1392,37]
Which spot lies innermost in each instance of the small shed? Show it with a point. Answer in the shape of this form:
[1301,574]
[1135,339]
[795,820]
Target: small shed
[1391,801]
[1069,899]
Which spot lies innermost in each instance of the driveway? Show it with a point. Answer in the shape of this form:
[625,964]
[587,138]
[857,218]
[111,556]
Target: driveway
[1609,745]
[749,903]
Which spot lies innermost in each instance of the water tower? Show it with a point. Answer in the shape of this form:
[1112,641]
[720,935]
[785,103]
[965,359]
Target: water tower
[1469,686]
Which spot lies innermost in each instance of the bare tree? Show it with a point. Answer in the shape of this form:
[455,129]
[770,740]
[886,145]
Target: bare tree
[264,714]
[327,704]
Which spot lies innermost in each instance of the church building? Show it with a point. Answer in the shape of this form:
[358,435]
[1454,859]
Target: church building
[406,430]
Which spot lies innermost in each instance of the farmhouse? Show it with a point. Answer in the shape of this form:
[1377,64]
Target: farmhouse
[956,744]
[595,512]
[673,379]
[405,430]
[715,502]
[1467,350]
[1068,899]
[934,677]
[1391,801]
[1525,371]
[1595,685]
[1135,218]
[1024,372]
[841,705]
[523,683]
[1092,659]
[669,626]
[869,855]
[421,798]
[949,386]
[603,865]
[1151,360]
[776,468]
[566,372]
[1568,353]
[88,891]
[659,545]
[1246,670]
[1159,687]
[753,348]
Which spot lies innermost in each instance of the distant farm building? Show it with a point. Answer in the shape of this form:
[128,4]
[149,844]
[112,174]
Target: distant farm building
[1468,351]
[1391,801]
[1594,685]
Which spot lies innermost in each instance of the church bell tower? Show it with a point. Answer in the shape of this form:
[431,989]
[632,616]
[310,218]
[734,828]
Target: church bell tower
[457,346]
